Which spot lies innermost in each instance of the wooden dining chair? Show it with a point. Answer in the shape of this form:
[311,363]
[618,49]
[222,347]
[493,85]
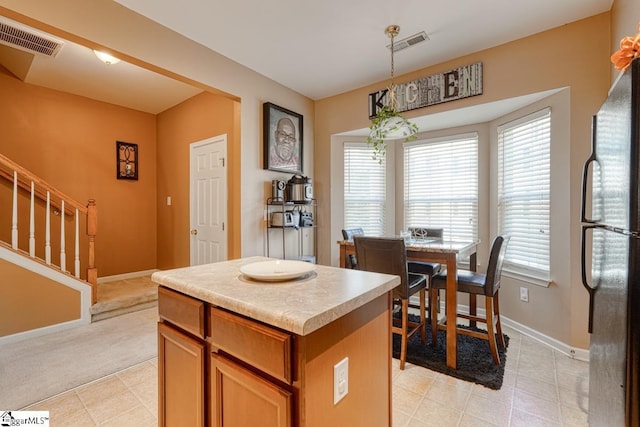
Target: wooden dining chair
[347,233]
[474,284]
[389,255]
[429,269]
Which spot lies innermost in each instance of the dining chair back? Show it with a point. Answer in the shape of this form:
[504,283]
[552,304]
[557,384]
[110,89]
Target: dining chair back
[389,256]
[351,261]
[429,269]
[348,233]
[474,284]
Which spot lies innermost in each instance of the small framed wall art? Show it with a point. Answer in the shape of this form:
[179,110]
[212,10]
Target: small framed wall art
[126,160]
[282,138]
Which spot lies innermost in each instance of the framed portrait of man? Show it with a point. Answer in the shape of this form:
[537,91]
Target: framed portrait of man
[282,139]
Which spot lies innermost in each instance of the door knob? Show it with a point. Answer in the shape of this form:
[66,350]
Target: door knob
[194,232]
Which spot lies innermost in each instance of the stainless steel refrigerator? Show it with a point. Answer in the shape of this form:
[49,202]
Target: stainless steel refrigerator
[611,249]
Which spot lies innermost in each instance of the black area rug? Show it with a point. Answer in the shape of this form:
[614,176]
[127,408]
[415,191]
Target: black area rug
[475,363]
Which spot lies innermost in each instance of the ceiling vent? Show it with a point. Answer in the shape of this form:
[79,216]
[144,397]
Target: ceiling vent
[27,39]
[409,41]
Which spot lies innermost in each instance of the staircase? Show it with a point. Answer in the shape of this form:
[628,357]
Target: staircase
[117,297]
[42,252]
[31,198]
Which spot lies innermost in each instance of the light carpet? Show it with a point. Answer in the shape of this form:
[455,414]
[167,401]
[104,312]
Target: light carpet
[39,368]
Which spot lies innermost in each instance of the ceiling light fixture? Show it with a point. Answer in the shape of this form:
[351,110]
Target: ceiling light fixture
[106,58]
[388,124]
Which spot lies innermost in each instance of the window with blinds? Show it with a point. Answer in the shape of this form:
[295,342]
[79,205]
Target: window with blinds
[365,195]
[441,185]
[524,147]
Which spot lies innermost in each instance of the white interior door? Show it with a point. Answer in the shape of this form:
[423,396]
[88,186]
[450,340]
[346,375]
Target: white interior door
[208,200]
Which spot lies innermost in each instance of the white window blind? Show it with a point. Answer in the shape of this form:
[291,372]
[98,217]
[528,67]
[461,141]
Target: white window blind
[441,186]
[524,147]
[365,195]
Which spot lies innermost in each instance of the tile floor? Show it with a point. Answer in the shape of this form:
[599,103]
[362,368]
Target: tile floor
[541,387]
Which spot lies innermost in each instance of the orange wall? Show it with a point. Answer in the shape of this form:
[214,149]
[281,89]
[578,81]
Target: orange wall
[70,141]
[203,116]
[22,291]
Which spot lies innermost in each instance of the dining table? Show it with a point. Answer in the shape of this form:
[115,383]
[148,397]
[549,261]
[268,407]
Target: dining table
[447,253]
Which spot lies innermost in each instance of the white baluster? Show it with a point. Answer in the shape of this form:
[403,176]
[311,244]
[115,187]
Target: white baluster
[32,224]
[47,231]
[77,254]
[14,220]
[63,256]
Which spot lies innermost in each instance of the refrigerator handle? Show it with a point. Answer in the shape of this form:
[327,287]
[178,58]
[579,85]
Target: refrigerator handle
[588,287]
[585,173]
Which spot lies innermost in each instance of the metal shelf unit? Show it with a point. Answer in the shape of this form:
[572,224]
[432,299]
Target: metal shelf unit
[278,205]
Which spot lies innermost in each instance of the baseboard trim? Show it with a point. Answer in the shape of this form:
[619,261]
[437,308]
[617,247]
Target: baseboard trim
[572,352]
[124,276]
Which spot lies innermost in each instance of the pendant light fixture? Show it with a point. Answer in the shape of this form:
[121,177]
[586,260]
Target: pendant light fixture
[388,123]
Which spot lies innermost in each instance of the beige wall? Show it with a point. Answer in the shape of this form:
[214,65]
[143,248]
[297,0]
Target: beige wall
[203,116]
[625,18]
[574,56]
[70,142]
[23,291]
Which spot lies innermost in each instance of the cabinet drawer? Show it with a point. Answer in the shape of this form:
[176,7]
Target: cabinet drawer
[254,343]
[181,310]
[239,397]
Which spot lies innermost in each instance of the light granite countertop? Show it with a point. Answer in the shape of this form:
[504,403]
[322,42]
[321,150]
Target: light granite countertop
[300,306]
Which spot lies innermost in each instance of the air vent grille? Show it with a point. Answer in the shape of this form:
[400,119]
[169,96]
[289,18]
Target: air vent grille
[25,39]
[409,41]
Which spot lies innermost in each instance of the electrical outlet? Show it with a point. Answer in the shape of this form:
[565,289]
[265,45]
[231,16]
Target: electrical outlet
[524,294]
[340,380]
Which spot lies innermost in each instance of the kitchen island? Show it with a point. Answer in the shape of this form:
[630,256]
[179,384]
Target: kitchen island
[234,351]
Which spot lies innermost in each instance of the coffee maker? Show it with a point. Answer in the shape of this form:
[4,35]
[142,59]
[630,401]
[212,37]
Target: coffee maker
[277,190]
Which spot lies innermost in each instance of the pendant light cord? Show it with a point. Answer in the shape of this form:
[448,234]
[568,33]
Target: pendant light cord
[392,31]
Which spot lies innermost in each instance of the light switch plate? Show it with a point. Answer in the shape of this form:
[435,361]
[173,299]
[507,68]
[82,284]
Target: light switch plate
[340,380]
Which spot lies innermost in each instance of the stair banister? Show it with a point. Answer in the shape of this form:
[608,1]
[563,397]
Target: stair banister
[14,217]
[39,188]
[32,224]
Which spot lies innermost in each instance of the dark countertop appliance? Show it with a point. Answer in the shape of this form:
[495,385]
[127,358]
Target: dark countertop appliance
[613,232]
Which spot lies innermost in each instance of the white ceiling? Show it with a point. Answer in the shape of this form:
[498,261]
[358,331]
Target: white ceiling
[76,69]
[318,49]
[326,47]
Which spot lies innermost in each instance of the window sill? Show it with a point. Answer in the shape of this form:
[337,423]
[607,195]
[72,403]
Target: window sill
[523,277]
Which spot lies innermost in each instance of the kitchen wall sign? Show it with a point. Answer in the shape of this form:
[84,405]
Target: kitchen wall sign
[458,83]
[282,139]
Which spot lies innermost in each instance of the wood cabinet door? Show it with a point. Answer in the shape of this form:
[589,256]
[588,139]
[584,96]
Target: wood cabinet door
[181,378]
[240,398]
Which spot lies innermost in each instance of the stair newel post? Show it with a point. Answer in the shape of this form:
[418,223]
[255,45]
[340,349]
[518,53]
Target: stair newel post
[76,256]
[32,223]
[47,231]
[63,255]
[92,230]
[14,219]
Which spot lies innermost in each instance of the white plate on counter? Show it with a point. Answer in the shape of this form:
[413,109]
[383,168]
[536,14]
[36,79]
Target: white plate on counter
[277,270]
